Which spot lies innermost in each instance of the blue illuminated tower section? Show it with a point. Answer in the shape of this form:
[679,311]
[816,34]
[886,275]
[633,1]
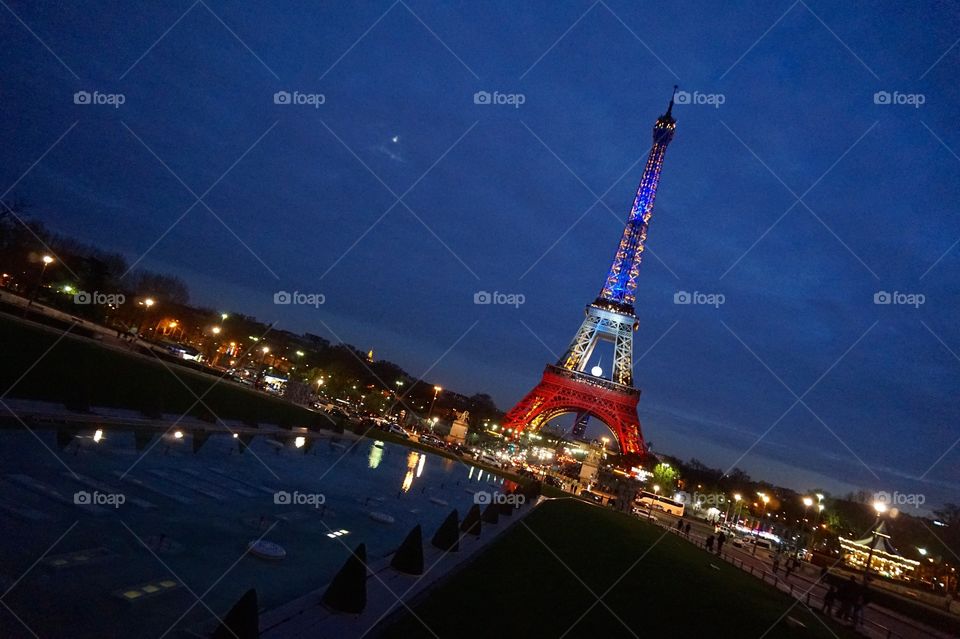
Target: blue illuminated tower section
[620,288]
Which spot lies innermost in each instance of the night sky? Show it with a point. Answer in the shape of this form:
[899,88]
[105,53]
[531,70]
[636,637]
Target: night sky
[797,199]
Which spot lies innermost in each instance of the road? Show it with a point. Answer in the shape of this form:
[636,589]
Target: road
[804,585]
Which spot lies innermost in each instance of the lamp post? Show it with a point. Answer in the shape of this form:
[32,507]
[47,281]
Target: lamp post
[738,508]
[656,492]
[726,515]
[756,535]
[436,391]
[881,508]
[816,524]
[147,304]
[46,260]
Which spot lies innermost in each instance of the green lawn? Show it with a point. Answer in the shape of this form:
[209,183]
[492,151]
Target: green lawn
[524,585]
[79,371]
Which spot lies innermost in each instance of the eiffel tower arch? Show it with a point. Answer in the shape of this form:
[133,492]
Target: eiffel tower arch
[566,387]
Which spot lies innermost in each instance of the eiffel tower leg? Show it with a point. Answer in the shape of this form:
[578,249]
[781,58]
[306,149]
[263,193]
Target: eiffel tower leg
[561,391]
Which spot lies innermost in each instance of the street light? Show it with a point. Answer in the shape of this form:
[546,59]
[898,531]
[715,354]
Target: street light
[47,261]
[436,391]
[656,492]
[756,535]
[881,508]
[736,511]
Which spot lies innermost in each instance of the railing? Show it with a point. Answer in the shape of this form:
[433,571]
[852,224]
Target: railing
[599,382]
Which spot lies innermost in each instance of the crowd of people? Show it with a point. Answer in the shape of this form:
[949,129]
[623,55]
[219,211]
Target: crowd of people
[850,598]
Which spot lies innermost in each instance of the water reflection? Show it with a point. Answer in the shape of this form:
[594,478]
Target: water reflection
[376,454]
[414,462]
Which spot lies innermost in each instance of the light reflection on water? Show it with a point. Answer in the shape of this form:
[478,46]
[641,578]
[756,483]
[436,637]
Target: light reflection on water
[376,454]
[178,488]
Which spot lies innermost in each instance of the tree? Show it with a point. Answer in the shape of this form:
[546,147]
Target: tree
[665,476]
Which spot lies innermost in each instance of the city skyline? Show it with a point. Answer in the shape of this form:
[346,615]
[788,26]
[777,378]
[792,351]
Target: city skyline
[804,181]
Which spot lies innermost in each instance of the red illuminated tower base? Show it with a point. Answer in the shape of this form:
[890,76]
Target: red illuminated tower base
[564,391]
[566,387]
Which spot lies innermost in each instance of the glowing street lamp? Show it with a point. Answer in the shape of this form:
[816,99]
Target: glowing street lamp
[436,391]
[880,507]
[46,260]
[756,535]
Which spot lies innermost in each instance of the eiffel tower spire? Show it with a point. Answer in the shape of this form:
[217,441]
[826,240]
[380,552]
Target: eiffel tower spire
[620,288]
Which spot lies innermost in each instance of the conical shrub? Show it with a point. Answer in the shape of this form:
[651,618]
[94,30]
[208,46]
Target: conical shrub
[243,620]
[491,514]
[447,537]
[471,523]
[348,590]
[409,556]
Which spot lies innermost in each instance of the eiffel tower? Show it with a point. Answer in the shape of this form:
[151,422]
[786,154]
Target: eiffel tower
[566,387]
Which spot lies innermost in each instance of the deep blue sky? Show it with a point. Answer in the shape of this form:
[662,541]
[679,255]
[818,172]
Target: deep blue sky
[798,84]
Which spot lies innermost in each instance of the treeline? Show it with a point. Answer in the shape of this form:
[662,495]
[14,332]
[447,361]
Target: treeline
[850,515]
[235,341]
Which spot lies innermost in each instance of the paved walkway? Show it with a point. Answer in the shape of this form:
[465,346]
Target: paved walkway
[878,622]
[388,591]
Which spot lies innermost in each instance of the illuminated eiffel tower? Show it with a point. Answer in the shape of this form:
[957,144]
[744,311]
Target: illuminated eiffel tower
[566,387]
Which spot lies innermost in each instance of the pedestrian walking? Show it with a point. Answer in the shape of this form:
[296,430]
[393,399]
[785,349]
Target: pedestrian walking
[686,530]
[828,599]
[710,543]
[861,601]
[680,526]
[846,593]
[721,539]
